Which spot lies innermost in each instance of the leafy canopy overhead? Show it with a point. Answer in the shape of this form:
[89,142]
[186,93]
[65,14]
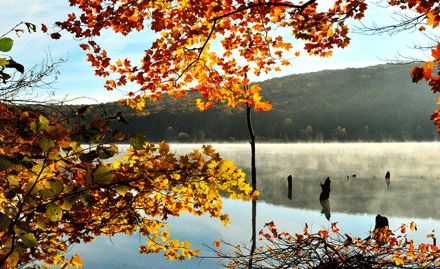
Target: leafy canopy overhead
[184,56]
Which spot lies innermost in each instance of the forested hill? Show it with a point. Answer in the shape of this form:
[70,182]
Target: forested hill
[378,103]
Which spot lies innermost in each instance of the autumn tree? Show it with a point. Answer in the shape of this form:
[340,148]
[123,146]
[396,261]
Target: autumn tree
[55,192]
[422,16]
[207,46]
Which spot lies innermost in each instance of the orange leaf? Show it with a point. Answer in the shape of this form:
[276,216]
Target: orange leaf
[413,226]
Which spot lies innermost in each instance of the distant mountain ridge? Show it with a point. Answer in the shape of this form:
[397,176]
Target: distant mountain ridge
[377,103]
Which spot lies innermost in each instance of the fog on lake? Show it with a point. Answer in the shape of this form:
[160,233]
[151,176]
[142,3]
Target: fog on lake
[359,191]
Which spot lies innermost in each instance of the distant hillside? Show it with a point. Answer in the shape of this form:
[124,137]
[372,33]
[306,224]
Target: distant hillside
[373,103]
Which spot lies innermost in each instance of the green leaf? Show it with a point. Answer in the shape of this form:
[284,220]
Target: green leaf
[6,44]
[103,175]
[40,125]
[29,240]
[137,141]
[121,189]
[41,223]
[48,193]
[54,212]
[43,122]
[31,27]
[67,205]
[56,187]
[34,127]
[46,144]
[3,62]
[4,163]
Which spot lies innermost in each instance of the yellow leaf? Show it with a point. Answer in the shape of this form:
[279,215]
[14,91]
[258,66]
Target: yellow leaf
[413,226]
[117,164]
[330,31]
[398,261]
[225,219]
[76,261]
[431,18]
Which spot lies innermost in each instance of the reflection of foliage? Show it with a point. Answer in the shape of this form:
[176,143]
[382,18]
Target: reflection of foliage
[332,249]
[54,192]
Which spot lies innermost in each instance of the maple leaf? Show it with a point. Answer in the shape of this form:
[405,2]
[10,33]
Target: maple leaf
[217,243]
[180,56]
[417,73]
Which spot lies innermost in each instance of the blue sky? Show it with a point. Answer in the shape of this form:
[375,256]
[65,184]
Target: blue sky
[76,76]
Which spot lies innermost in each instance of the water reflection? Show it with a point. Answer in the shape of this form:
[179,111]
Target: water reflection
[388,179]
[355,202]
[310,164]
[324,198]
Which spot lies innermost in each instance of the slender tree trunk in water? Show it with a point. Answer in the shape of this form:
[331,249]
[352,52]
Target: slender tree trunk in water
[254,183]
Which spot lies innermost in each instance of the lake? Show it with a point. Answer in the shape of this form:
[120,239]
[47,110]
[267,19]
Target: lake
[358,193]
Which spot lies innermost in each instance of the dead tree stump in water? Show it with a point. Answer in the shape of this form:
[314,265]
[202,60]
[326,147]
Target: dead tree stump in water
[289,187]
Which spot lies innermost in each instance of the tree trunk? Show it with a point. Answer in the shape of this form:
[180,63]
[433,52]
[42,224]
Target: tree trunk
[253,183]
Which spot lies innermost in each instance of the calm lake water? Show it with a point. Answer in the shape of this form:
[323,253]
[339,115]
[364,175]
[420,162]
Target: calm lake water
[358,193]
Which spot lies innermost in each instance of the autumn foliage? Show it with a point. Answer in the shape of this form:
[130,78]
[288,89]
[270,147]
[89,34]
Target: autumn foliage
[207,46]
[425,16]
[55,192]
[58,185]
[384,248]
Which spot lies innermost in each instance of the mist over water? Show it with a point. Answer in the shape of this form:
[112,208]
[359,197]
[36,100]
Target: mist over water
[354,201]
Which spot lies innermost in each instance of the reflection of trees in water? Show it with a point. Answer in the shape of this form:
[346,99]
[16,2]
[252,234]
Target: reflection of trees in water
[408,197]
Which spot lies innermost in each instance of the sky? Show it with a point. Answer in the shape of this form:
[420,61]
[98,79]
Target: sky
[76,78]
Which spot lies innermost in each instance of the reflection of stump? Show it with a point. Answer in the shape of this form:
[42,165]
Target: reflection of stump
[325,208]
[289,187]
[324,198]
[388,179]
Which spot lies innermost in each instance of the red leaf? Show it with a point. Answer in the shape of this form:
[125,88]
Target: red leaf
[43,28]
[55,36]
